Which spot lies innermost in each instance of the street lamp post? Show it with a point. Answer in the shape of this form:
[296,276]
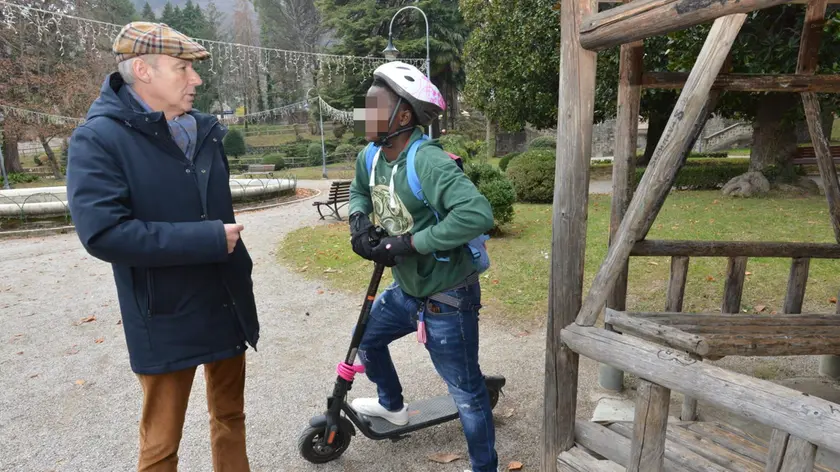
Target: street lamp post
[323,147]
[390,52]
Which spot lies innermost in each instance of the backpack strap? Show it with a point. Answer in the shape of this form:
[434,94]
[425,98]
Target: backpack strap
[413,179]
[370,151]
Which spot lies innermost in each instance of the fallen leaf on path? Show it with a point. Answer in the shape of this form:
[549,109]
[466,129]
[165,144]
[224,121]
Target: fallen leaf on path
[515,465]
[444,457]
[832,300]
[760,308]
[330,271]
[747,273]
[80,382]
[119,322]
[774,312]
[99,340]
[89,319]
[508,413]
[20,353]
[522,334]
[710,278]
[495,282]
[33,376]
[320,292]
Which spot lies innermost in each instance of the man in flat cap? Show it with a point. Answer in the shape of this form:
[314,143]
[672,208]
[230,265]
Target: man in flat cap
[148,190]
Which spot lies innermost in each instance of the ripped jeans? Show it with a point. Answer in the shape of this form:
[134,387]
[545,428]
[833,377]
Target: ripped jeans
[452,342]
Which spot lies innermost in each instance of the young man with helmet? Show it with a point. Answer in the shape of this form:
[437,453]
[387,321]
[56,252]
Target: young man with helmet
[436,291]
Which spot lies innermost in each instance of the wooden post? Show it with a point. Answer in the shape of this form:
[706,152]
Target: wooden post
[799,456]
[776,451]
[630,69]
[568,244]
[642,19]
[673,304]
[734,286]
[827,170]
[663,168]
[647,448]
[830,365]
[797,281]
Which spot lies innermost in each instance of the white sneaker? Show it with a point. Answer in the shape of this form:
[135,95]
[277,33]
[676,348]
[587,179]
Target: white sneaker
[371,407]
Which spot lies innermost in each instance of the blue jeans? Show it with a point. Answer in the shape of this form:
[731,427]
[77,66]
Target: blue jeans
[452,342]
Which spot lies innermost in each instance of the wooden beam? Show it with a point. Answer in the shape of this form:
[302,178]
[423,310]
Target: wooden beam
[734,285]
[808,417]
[797,281]
[616,448]
[671,248]
[669,336]
[809,42]
[647,448]
[676,284]
[577,460]
[799,456]
[642,19]
[568,244]
[630,70]
[828,83]
[662,170]
[827,170]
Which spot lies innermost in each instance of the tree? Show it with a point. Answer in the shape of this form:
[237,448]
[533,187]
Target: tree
[234,143]
[111,11]
[512,58]
[767,44]
[361,27]
[148,14]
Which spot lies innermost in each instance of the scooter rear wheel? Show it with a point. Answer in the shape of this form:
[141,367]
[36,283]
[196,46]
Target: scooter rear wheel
[314,449]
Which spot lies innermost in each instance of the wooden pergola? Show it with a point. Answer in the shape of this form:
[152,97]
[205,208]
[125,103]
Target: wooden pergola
[666,349]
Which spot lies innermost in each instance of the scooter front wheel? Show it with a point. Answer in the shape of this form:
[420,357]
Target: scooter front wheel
[314,449]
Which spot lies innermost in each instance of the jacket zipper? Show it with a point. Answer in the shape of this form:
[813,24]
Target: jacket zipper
[150,292]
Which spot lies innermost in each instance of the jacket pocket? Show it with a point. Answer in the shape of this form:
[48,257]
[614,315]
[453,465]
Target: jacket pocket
[150,292]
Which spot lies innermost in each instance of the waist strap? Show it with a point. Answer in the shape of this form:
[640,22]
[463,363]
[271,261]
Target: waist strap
[450,300]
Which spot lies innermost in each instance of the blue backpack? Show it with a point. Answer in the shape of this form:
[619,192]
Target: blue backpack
[477,246]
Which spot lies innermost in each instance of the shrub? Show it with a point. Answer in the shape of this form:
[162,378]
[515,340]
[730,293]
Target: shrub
[21,178]
[314,155]
[694,155]
[542,142]
[532,176]
[477,149]
[503,164]
[705,174]
[456,145]
[500,194]
[234,143]
[338,130]
[480,172]
[296,149]
[276,159]
[37,160]
[346,152]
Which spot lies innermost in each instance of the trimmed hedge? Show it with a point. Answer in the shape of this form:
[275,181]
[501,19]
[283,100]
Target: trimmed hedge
[532,176]
[313,153]
[347,152]
[505,161]
[705,174]
[542,142]
[234,143]
[276,159]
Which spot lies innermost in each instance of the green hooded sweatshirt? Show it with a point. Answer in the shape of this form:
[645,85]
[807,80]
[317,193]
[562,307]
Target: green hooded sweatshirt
[465,214]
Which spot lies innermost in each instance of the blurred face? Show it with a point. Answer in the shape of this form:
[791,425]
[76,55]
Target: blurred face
[371,119]
[167,84]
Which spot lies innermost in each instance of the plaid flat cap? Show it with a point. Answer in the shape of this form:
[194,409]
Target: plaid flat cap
[141,37]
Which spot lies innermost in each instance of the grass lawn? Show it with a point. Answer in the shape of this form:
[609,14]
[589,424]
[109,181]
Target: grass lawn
[42,182]
[515,287]
[340,170]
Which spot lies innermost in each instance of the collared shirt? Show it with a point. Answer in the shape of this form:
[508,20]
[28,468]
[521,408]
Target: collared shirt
[183,129]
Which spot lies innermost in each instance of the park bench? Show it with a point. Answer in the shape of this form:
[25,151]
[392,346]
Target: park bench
[338,197]
[260,170]
[808,156]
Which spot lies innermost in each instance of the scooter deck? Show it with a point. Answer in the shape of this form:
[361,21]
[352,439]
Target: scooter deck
[421,414]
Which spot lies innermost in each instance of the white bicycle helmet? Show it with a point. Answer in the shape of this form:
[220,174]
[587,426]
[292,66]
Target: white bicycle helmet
[414,87]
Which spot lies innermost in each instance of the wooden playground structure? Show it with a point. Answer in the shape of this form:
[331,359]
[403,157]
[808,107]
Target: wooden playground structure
[666,349]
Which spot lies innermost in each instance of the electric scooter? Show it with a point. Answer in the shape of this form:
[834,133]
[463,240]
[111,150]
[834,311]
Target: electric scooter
[329,435]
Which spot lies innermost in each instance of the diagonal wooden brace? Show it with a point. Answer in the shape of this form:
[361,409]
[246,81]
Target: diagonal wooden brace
[662,170]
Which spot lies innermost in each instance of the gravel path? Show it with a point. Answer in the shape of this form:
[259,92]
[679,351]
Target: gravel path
[70,402]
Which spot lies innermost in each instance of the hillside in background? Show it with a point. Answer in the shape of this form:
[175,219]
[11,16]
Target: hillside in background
[227,7]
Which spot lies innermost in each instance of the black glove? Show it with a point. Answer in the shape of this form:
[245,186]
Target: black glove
[392,250]
[363,235]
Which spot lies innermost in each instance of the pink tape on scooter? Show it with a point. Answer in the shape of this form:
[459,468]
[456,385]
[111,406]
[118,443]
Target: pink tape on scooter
[348,372]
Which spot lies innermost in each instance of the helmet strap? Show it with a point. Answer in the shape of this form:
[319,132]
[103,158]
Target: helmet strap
[385,141]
